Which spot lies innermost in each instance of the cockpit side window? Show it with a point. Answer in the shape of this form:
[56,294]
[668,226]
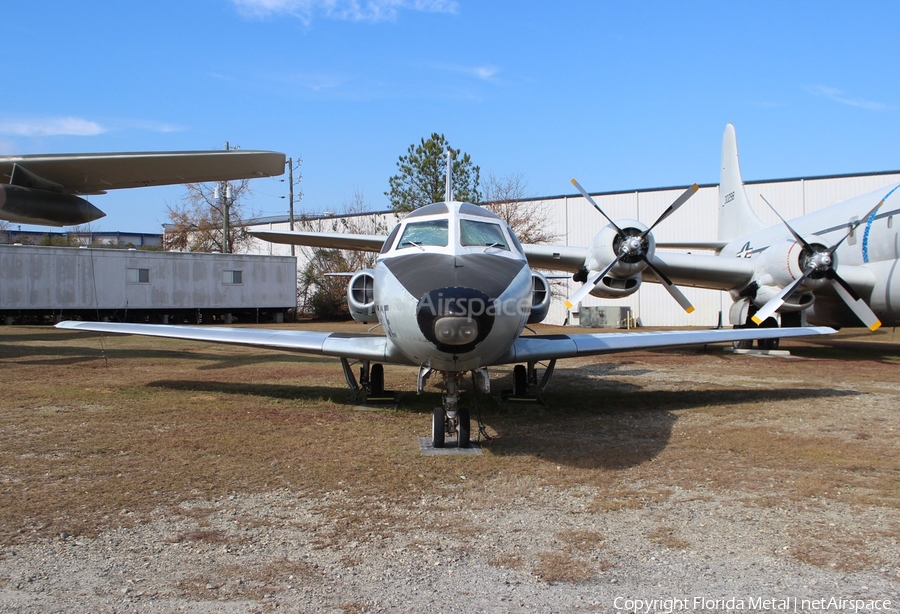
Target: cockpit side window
[390,240]
[481,234]
[417,234]
[515,241]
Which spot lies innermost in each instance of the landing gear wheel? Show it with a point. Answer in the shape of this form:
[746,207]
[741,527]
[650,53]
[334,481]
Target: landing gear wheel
[376,380]
[463,429]
[520,381]
[437,428]
[768,344]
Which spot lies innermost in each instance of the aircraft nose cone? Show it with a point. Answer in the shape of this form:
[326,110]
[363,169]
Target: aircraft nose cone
[455,319]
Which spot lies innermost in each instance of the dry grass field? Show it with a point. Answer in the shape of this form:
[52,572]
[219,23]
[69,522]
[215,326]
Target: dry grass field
[100,433]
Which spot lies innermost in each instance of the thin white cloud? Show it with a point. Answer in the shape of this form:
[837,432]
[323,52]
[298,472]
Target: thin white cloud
[51,126]
[350,10]
[485,73]
[839,96]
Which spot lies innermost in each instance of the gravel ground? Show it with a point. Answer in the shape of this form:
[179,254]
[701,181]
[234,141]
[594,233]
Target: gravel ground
[261,553]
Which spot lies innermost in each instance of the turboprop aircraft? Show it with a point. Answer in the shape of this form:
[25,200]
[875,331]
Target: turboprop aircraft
[47,189]
[793,273]
[452,291]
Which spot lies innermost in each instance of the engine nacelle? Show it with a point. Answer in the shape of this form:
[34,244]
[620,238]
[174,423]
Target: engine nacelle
[781,265]
[361,296]
[606,247]
[616,287]
[33,206]
[540,298]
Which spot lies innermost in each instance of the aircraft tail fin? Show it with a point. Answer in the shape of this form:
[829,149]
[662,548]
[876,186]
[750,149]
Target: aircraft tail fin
[736,216]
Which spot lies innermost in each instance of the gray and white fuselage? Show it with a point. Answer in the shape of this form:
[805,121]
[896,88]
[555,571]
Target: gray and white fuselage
[452,288]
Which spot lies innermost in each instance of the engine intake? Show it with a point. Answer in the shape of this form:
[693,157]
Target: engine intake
[540,298]
[361,296]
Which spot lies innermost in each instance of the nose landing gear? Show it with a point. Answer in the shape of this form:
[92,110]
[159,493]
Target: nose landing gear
[450,418]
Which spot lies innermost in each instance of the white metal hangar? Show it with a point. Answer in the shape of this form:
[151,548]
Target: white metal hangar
[573,221]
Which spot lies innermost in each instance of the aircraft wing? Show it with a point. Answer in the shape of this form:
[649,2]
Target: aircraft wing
[96,173]
[702,270]
[555,257]
[330,240]
[712,246]
[695,270]
[548,347]
[357,346]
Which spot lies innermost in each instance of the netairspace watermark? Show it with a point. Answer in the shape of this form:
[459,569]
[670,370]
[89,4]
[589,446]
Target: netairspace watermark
[748,604]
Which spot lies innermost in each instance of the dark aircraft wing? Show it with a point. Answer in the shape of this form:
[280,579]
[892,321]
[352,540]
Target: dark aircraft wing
[97,173]
[48,189]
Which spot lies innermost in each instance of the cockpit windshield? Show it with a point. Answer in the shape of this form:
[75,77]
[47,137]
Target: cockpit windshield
[481,234]
[417,234]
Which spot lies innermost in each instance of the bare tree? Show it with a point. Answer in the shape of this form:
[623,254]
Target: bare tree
[324,295]
[197,224]
[507,197]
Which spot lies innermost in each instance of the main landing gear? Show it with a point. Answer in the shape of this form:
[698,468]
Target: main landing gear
[741,315]
[371,382]
[526,388]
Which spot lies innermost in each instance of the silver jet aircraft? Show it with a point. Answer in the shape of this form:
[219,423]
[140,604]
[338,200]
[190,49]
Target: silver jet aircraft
[452,291]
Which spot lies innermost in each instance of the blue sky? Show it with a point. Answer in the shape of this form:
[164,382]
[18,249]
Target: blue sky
[620,95]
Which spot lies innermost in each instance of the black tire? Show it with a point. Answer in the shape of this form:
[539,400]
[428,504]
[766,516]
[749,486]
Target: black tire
[464,429]
[768,344]
[376,380]
[437,428]
[520,381]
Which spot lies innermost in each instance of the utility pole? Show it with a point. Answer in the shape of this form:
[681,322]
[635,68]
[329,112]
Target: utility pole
[290,163]
[225,207]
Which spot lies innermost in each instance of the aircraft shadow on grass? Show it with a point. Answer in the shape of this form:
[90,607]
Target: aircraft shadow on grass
[578,429]
[13,349]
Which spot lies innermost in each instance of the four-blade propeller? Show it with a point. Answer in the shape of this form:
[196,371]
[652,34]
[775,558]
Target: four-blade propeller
[820,262]
[633,247]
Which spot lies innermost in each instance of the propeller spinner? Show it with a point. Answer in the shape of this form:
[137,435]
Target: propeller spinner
[631,248]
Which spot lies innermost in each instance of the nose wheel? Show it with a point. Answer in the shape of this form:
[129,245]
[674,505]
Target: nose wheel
[450,418]
[456,423]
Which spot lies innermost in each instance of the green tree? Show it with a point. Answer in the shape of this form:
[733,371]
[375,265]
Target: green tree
[423,176]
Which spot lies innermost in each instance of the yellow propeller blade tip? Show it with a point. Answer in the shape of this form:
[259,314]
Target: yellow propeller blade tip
[690,309]
[757,320]
[569,305]
[875,326]
[573,181]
